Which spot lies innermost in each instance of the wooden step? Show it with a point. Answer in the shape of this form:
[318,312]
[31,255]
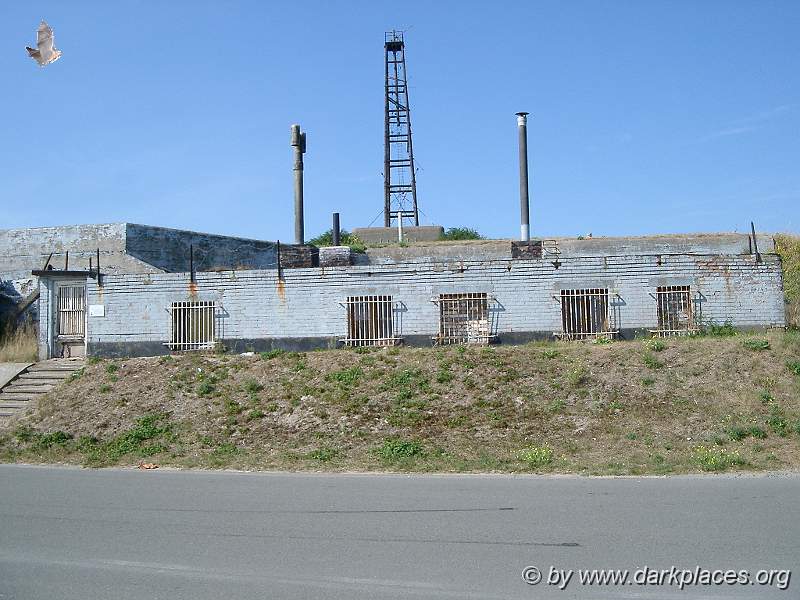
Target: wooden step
[18,395]
[14,403]
[27,389]
[43,376]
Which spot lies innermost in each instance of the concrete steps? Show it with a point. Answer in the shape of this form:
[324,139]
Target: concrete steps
[30,384]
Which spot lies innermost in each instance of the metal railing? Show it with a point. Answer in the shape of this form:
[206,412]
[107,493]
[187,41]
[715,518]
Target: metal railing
[586,313]
[675,311]
[370,321]
[71,311]
[463,319]
[193,326]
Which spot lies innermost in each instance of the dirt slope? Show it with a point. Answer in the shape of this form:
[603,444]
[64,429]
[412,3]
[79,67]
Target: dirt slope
[709,403]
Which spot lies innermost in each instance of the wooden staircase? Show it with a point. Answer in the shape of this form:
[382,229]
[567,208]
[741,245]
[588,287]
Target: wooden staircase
[33,382]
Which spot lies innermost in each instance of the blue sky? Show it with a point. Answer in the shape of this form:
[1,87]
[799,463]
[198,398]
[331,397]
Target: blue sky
[646,116]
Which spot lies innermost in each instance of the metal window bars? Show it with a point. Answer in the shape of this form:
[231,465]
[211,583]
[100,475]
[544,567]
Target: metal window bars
[370,321]
[71,311]
[586,313]
[193,325]
[463,319]
[675,311]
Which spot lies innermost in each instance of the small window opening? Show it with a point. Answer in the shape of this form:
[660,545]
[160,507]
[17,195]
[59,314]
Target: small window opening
[464,319]
[370,321]
[585,314]
[193,326]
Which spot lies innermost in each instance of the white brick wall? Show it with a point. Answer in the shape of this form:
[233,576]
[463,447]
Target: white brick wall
[307,302]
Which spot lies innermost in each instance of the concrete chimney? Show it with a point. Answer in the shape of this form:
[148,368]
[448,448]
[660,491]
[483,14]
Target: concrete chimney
[336,231]
[299,145]
[524,203]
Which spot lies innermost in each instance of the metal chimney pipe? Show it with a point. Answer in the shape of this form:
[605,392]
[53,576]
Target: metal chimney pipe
[299,145]
[336,231]
[524,208]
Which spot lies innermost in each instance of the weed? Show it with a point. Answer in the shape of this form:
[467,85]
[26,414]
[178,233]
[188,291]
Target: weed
[165,360]
[93,360]
[777,421]
[46,440]
[615,405]
[105,388]
[271,354]
[756,344]
[394,449]
[362,349]
[536,456]
[323,454]
[556,406]
[577,376]
[794,366]
[631,436]
[765,397]
[716,459]
[112,368]
[346,376]
[655,345]
[651,362]
[648,381]
[549,353]
[205,388]
[251,386]
[255,414]
[444,376]
[714,329]
[75,375]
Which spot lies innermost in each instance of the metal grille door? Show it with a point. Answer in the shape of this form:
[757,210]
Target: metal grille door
[463,318]
[675,316]
[193,326]
[585,314]
[370,321]
[71,311]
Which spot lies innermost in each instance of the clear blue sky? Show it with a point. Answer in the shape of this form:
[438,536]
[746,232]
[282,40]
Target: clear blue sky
[647,116]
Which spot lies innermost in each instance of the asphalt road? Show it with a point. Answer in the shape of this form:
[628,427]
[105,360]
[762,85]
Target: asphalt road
[90,534]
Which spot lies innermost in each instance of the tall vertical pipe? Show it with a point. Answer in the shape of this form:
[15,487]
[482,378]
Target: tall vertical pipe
[336,231]
[524,203]
[299,145]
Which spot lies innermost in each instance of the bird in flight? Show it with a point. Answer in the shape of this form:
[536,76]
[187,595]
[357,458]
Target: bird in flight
[45,52]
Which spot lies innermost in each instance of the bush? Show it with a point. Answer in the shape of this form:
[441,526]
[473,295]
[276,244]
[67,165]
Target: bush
[788,247]
[345,238]
[536,456]
[460,233]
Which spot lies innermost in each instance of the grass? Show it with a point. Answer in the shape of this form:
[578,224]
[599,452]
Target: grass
[18,344]
[546,406]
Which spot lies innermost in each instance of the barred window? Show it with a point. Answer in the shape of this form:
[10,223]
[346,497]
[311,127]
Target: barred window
[585,314]
[675,314]
[370,321]
[193,325]
[463,318]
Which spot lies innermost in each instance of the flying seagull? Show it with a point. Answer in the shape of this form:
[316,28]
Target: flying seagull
[45,51]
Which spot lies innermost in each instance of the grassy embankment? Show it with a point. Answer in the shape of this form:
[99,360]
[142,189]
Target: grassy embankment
[673,406]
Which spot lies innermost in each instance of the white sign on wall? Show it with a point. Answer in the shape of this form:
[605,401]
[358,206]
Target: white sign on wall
[97,310]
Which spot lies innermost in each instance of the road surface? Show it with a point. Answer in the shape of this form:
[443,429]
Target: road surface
[96,534]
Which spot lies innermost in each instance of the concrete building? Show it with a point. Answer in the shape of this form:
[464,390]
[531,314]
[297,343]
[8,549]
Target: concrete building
[468,292]
[121,248]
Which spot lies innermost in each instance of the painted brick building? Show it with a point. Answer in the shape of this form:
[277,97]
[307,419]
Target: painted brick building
[483,292]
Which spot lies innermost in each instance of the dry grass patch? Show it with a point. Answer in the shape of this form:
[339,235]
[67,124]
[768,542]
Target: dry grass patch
[18,344]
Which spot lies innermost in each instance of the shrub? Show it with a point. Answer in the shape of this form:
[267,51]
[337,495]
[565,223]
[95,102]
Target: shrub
[460,233]
[536,456]
[345,239]
[46,440]
[788,246]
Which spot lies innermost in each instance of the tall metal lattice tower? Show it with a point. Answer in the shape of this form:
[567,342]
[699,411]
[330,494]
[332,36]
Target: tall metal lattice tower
[399,175]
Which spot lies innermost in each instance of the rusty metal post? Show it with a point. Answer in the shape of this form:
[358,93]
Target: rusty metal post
[755,243]
[299,145]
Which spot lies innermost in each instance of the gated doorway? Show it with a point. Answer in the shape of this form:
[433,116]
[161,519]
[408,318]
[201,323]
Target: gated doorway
[70,320]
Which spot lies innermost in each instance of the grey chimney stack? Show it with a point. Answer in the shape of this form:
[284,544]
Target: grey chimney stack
[299,145]
[524,216]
